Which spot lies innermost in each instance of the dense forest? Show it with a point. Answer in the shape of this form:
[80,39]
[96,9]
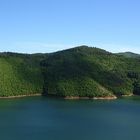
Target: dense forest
[82,71]
[92,72]
[20,74]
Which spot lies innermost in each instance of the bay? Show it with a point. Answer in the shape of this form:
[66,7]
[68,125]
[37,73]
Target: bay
[42,118]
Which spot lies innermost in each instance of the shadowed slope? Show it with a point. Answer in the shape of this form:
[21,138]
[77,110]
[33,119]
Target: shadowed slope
[87,71]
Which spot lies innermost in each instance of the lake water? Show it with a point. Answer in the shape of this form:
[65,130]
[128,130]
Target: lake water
[42,118]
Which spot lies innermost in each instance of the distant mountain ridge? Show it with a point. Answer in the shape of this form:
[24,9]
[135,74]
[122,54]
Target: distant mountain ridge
[129,54]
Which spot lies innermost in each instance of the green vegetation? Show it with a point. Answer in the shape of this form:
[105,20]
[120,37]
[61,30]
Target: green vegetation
[81,71]
[137,88]
[20,74]
[92,72]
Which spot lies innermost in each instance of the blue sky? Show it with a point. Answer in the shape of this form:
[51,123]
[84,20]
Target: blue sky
[32,26]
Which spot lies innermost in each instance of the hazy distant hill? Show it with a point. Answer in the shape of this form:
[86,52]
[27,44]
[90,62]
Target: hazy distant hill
[129,54]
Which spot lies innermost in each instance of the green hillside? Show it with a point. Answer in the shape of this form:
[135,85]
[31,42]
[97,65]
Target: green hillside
[20,74]
[81,71]
[92,72]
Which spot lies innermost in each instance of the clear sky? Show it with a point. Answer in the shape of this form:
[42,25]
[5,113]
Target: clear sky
[49,25]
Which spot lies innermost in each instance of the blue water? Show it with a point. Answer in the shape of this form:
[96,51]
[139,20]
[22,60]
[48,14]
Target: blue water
[42,118]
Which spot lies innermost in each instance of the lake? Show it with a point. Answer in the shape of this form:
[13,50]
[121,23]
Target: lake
[42,118]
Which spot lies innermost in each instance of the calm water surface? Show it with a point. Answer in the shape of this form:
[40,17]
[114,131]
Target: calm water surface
[42,118]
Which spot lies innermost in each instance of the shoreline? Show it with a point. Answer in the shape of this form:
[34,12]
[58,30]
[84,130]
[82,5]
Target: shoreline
[19,96]
[68,97]
[129,95]
[92,98]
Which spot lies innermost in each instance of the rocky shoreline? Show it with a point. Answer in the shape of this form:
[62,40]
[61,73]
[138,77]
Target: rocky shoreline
[19,96]
[94,98]
[67,97]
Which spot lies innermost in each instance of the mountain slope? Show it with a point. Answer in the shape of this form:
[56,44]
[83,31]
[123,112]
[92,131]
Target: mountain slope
[20,74]
[87,71]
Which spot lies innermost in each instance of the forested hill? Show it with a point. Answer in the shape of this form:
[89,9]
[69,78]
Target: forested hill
[20,74]
[92,72]
[82,71]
